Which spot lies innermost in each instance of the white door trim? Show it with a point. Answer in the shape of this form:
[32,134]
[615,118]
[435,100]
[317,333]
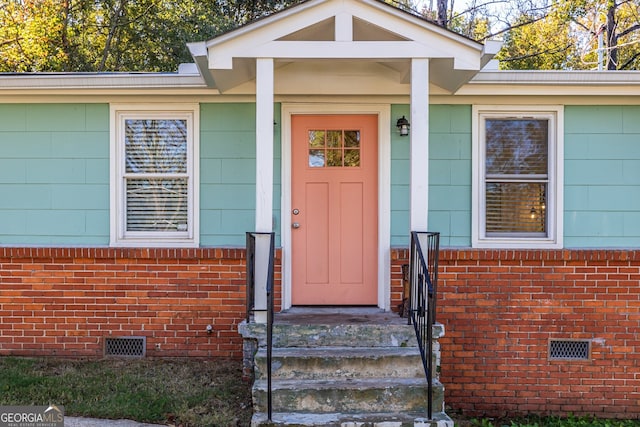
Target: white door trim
[383,111]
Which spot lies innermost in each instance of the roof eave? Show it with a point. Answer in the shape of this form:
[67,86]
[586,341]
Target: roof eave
[100,81]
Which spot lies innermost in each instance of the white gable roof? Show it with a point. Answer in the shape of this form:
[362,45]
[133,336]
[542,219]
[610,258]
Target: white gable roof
[342,31]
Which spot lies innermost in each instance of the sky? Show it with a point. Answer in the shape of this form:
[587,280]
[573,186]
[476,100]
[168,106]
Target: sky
[458,5]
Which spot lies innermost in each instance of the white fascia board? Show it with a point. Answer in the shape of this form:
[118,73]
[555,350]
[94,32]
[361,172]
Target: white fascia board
[396,20]
[490,50]
[199,54]
[441,43]
[558,77]
[222,49]
[261,39]
[267,23]
[554,83]
[100,81]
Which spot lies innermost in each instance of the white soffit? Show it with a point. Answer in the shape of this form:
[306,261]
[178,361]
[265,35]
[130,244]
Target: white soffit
[341,30]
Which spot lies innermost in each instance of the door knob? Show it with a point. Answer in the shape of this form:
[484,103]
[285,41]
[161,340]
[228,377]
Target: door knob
[295,225]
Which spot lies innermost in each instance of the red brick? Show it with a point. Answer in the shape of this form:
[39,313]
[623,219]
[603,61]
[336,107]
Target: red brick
[567,294]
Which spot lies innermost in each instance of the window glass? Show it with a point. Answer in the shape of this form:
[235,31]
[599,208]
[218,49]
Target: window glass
[156,146]
[516,165]
[157,150]
[334,148]
[516,147]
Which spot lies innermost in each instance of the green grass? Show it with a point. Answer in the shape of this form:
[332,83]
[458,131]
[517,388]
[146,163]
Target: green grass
[537,421]
[183,392]
[187,392]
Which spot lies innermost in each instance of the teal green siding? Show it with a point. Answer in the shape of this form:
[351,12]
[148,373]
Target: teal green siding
[449,175]
[228,172]
[602,176]
[399,179]
[54,174]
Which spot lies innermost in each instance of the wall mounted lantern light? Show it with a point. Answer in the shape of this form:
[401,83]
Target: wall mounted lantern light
[403,126]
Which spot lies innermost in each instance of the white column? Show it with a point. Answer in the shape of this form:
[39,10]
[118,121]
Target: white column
[419,144]
[264,144]
[264,180]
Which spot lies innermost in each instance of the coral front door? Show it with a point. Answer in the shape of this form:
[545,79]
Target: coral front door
[334,209]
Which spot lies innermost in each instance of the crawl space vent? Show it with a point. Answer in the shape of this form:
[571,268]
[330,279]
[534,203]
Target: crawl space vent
[569,349]
[125,346]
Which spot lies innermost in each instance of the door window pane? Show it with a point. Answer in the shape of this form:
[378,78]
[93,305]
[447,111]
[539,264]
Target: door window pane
[334,148]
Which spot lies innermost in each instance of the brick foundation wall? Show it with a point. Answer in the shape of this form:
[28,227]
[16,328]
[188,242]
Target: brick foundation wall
[501,307]
[65,301]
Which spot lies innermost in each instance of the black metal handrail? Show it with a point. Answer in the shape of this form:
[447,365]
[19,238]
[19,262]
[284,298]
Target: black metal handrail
[423,279]
[251,286]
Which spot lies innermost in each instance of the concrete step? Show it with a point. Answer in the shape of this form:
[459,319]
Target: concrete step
[385,330]
[355,396]
[439,419]
[350,335]
[340,363]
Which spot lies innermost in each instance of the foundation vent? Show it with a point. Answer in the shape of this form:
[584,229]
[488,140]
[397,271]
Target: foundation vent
[569,349]
[125,346]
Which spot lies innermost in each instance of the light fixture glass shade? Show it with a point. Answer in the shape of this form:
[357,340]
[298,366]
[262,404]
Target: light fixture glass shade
[403,126]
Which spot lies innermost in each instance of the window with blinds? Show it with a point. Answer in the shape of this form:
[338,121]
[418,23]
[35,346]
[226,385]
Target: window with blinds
[516,176]
[155,177]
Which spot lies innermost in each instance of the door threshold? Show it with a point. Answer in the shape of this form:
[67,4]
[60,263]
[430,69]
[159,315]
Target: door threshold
[332,315]
[333,309]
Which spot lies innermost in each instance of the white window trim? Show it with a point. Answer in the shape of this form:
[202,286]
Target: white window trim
[555,206]
[117,114]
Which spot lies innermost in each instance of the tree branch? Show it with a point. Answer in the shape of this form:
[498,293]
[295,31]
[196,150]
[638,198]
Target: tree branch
[629,30]
[511,27]
[6,42]
[112,32]
[533,55]
[630,61]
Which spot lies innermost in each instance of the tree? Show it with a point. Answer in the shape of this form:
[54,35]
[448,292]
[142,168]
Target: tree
[554,34]
[115,35]
[539,44]
[622,31]
[29,36]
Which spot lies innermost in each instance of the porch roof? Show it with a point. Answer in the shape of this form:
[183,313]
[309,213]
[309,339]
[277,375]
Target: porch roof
[342,32]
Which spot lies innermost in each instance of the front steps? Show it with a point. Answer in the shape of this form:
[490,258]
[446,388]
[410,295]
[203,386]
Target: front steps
[343,367]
